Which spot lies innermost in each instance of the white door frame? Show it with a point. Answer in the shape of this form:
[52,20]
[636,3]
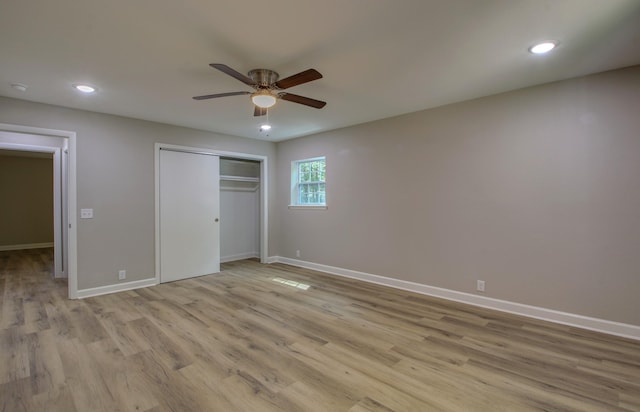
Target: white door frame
[264,194]
[64,158]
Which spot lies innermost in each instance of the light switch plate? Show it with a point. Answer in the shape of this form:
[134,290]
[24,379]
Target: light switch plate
[86,213]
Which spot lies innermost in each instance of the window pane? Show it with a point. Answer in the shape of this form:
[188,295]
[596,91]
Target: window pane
[310,186]
[311,193]
[304,172]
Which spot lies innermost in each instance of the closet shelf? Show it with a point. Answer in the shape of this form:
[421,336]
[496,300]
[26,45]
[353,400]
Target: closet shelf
[239,178]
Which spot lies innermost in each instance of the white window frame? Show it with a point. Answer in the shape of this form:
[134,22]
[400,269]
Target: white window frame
[294,185]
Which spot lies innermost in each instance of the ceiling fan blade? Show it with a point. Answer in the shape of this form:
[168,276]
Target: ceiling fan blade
[300,78]
[233,73]
[213,96]
[307,101]
[259,111]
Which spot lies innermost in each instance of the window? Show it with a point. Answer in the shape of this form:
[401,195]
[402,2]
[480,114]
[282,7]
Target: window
[308,183]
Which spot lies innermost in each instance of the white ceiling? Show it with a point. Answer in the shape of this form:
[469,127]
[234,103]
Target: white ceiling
[379,58]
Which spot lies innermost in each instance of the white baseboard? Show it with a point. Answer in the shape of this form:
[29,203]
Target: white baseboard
[565,318]
[119,287]
[26,246]
[274,259]
[239,256]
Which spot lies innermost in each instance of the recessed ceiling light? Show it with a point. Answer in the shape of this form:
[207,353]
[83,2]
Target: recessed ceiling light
[19,86]
[265,127]
[542,48]
[84,88]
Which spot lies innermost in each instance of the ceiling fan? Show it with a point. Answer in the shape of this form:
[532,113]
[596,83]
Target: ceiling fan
[267,87]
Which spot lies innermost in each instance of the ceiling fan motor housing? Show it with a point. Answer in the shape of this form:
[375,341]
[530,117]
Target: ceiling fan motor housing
[264,77]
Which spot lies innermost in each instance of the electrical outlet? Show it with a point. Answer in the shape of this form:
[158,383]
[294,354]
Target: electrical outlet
[86,213]
[480,286]
[297,253]
[122,274]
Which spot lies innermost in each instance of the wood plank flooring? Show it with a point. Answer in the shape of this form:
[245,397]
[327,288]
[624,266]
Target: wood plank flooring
[240,341]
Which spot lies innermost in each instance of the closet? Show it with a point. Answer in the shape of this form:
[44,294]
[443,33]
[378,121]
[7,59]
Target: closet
[239,209]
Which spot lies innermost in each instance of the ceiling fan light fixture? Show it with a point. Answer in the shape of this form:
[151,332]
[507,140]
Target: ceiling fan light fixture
[263,98]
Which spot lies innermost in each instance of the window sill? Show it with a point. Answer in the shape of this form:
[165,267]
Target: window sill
[308,207]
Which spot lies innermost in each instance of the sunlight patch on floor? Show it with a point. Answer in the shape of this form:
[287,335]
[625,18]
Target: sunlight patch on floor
[292,283]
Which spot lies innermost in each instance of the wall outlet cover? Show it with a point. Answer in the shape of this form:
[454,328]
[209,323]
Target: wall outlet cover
[86,213]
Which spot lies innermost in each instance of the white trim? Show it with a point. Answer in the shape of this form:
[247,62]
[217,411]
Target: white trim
[599,325]
[156,166]
[27,246]
[59,218]
[119,287]
[239,178]
[239,256]
[239,189]
[273,259]
[264,194]
[71,194]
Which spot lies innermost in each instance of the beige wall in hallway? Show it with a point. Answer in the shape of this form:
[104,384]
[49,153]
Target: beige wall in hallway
[26,208]
[535,191]
[115,177]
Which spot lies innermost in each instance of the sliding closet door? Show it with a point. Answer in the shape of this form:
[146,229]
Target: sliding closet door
[189,215]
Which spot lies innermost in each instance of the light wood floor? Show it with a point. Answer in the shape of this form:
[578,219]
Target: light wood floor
[240,341]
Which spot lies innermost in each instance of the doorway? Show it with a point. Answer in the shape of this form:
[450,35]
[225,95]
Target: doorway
[27,209]
[60,146]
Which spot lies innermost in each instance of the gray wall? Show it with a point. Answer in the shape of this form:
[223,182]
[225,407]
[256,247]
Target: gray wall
[535,191]
[26,208]
[115,177]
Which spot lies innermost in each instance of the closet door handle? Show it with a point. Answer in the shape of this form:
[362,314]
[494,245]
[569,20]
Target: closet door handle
[216,220]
